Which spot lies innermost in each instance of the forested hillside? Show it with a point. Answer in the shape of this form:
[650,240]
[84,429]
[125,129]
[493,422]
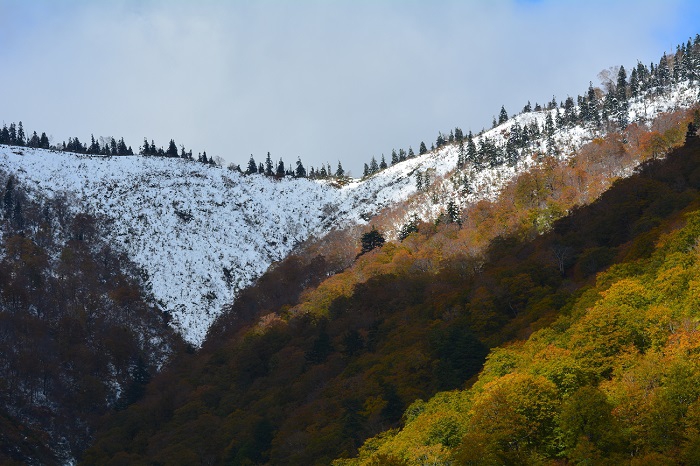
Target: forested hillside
[78,336]
[310,380]
[614,379]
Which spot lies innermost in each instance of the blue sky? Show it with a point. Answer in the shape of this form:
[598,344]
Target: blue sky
[320,80]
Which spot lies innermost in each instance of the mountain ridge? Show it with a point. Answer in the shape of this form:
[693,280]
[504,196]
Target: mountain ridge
[133,192]
[472,260]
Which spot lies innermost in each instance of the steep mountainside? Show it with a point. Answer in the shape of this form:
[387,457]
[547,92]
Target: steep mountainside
[202,233]
[302,388]
[613,381]
[78,336]
[199,233]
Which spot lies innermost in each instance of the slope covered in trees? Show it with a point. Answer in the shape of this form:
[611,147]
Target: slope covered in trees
[614,380]
[304,382]
[78,335]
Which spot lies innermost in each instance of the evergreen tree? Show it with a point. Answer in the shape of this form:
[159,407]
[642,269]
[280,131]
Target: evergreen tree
[204,157]
[371,240]
[172,149]
[461,154]
[549,131]
[622,85]
[465,185]
[74,145]
[419,181]
[516,135]
[511,153]
[382,164]
[34,140]
[440,140]
[502,116]
[261,169]
[402,155]
[123,150]
[688,64]
[280,169]
[323,173]
[44,141]
[459,135]
[558,118]
[592,105]
[634,83]
[411,154]
[300,171]
[422,150]
[365,172]
[472,154]
[525,136]
[642,76]
[394,157]
[453,215]
[373,166]
[569,111]
[527,108]
[622,114]
[94,147]
[489,153]
[4,135]
[20,135]
[268,165]
[410,227]
[549,124]
[12,134]
[339,173]
[146,148]
[252,166]
[663,73]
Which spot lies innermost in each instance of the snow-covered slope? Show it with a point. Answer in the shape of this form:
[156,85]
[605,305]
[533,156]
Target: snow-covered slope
[200,233]
[397,182]
[203,233]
